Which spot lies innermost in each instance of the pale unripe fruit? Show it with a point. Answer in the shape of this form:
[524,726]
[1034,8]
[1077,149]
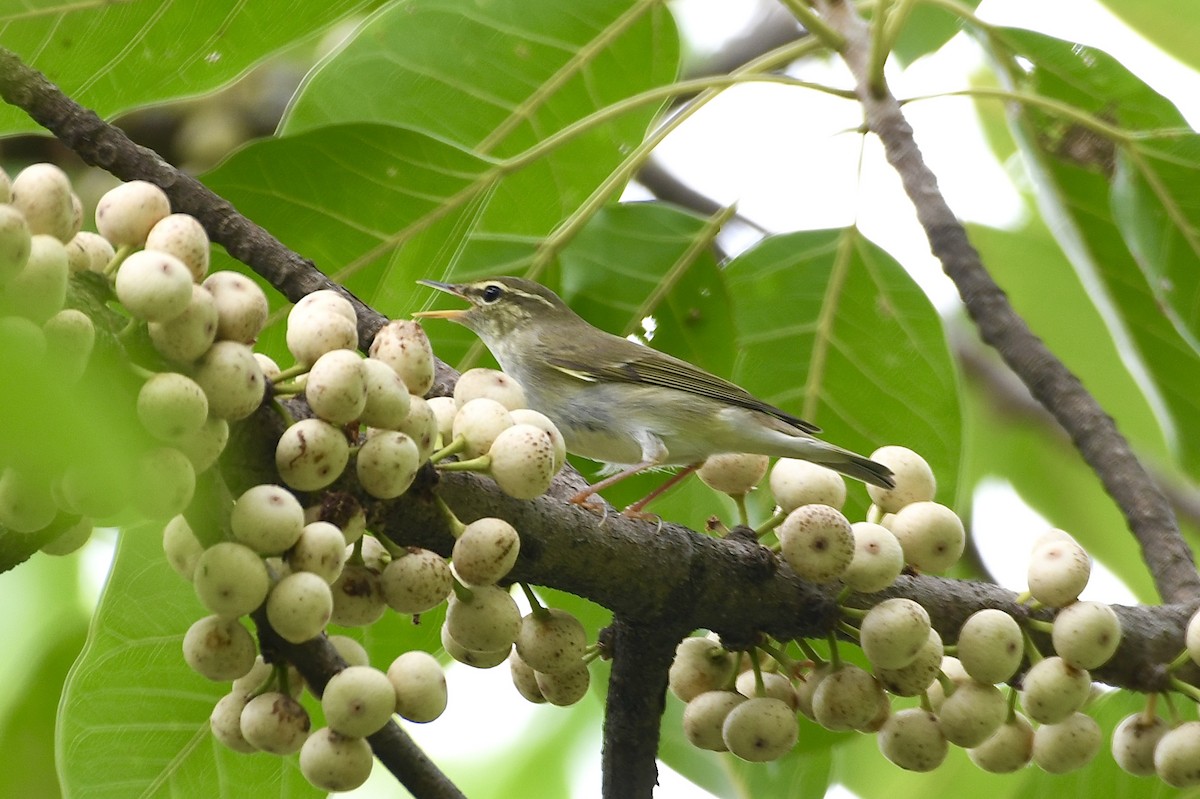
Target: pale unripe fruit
[816,541]
[1086,634]
[232,380]
[775,685]
[311,454]
[522,461]
[154,286]
[420,686]
[1058,571]
[231,579]
[704,717]
[846,699]
[932,535]
[275,723]
[183,236]
[270,369]
[70,338]
[733,473]
[878,558]
[126,214]
[700,665]
[1009,749]
[180,546]
[489,621]
[972,714]
[225,721]
[485,552]
[531,417]
[1177,756]
[488,383]
[912,739]
[417,581]
[806,686]
[403,345]
[358,701]
[479,422]
[14,242]
[894,632]
[311,334]
[1192,637]
[326,301]
[566,687]
[1052,690]
[1069,744]
[171,406]
[421,426]
[914,479]
[189,335]
[760,729]
[241,306]
[166,483]
[267,518]
[387,404]
[219,649]
[477,659]
[333,762]
[953,669]
[350,650]
[990,645]
[374,554]
[320,549]
[42,193]
[26,504]
[444,410]
[525,680]
[795,482]
[39,290]
[918,675]
[336,389]
[89,252]
[299,606]
[71,540]
[551,641]
[357,596]
[260,675]
[76,216]
[1134,741]
[204,446]
[387,464]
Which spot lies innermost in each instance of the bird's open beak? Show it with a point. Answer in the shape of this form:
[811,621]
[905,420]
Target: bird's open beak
[453,314]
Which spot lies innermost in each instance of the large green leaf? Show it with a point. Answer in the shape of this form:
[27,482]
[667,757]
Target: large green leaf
[134,718]
[833,329]
[114,56]
[1073,170]
[1163,23]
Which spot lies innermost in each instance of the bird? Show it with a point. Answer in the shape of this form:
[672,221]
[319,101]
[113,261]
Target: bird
[625,403]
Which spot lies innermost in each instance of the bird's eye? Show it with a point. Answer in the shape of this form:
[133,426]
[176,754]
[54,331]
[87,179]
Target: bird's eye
[491,292]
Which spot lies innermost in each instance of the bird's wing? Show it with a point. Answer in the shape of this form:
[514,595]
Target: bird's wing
[643,365]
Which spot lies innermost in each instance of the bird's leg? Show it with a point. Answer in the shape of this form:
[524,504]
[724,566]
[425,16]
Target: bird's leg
[635,510]
[583,496]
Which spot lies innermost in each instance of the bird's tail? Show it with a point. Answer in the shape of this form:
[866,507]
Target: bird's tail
[860,468]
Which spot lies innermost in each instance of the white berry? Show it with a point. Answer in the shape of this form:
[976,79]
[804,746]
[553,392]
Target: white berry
[760,729]
[487,621]
[171,406]
[219,649]
[183,236]
[241,306]
[491,384]
[1086,634]
[914,479]
[403,345]
[796,482]
[420,686]
[417,581]
[336,389]
[42,193]
[358,701]
[733,473]
[387,464]
[932,535]
[126,214]
[1058,571]
[333,762]
[311,454]
[878,558]
[816,541]
[231,579]
[990,645]
[189,335]
[912,740]
[1069,744]
[522,461]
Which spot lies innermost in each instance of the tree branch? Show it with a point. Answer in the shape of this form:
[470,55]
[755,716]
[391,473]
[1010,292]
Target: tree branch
[1093,432]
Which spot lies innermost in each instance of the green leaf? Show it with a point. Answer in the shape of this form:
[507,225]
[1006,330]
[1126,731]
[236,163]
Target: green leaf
[115,56]
[1073,171]
[134,718]
[833,329]
[1159,22]
[928,27]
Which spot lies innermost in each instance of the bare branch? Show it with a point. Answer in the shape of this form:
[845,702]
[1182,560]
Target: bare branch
[1093,432]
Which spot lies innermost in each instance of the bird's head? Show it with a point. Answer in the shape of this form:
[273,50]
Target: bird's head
[501,306]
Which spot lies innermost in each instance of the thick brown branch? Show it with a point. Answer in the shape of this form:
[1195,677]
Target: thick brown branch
[1093,432]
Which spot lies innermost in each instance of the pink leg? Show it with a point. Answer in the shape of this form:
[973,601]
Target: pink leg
[635,509]
[582,497]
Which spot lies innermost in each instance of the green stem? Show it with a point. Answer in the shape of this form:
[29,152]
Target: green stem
[1012,704]
[849,629]
[813,23]
[879,51]
[1031,649]
[118,258]
[852,613]
[948,686]
[1151,710]
[770,524]
[1181,660]
[461,592]
[809,652]
[759,688]
[536,607]
[456,525]
[835,658]
[480,464]
[740,501]
[1186,688]
[453,448]
[295,370]
[283,413]
[1040,625]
